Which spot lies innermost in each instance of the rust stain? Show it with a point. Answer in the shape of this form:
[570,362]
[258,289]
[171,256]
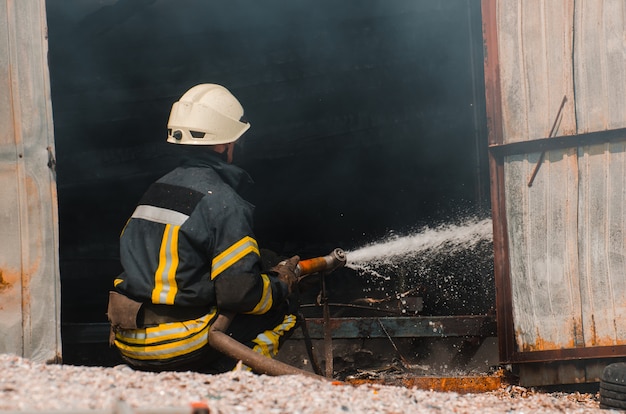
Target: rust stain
[5,284]
[36,225]
[460,384]
[9,283]
[541,344]
[577,340]
[594,335]
[56,359]
[608,341]
[577,331]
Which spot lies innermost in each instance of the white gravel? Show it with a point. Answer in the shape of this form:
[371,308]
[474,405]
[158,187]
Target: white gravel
[28,386]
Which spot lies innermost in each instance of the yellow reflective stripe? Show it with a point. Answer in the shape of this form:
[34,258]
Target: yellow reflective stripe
[165,287]
[171,275]
[167,350]
[233,254]
[164,341]
[266,301]
[158,281]
[267,342]
[165,331]
[124,228]
[117,282]
[262,346]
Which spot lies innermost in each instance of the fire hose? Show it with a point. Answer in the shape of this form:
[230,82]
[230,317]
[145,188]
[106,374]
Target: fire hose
[222,342]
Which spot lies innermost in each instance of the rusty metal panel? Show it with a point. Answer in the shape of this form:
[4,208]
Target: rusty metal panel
[29,276]
[563,232]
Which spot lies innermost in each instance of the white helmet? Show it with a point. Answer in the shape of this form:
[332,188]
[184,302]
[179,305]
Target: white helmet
[207,114]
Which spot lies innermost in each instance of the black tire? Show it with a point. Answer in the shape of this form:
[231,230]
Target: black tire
[616,395]
[615,373]
[613,386]
[606,402]
[606,407]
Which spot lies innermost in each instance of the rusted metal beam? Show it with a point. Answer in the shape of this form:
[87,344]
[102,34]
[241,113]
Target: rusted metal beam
[402,327]
[493,102]
[340,328]
[567,354]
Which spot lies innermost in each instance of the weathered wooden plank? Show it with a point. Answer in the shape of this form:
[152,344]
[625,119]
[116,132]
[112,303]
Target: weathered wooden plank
[598,314]
[10,257]
[543,223]
[616,254]
[570,258]
[535,46]
[516,170]
[599,59]
[562,295]
[30,239]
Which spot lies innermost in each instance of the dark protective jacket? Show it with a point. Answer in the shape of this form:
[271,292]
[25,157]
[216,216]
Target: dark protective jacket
[190,242]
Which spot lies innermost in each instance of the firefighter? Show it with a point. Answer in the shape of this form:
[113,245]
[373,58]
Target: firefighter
[188,252]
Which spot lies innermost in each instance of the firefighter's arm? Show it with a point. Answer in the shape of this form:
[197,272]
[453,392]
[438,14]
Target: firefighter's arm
[242,288]
[240,284]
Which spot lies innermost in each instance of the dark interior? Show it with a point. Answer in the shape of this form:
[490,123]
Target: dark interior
[368,118]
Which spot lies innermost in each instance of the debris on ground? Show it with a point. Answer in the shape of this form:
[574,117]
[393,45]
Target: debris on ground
[31,386]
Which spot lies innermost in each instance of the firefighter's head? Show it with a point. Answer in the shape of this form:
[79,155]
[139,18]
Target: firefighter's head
[207,114]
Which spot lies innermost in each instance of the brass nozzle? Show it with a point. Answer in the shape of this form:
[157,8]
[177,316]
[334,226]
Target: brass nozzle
[328,263]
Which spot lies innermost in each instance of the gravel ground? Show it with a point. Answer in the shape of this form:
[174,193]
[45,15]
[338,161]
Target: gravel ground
[34,387]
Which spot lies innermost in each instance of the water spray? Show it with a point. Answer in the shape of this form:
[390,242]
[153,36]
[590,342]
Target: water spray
[448,238]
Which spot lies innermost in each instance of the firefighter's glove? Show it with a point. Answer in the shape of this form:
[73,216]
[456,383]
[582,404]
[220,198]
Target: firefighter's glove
[286,272]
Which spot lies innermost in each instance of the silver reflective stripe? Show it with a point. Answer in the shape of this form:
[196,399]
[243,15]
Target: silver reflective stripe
[166,329]
[159,215]
[267,342]
[175,349]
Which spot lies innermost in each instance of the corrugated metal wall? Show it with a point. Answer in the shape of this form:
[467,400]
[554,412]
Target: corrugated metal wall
[29,276]
[559,71]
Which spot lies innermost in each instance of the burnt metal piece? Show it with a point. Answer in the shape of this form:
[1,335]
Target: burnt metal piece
[402,327]
[407,303]
[327,330]
[459,384]
[405,362]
